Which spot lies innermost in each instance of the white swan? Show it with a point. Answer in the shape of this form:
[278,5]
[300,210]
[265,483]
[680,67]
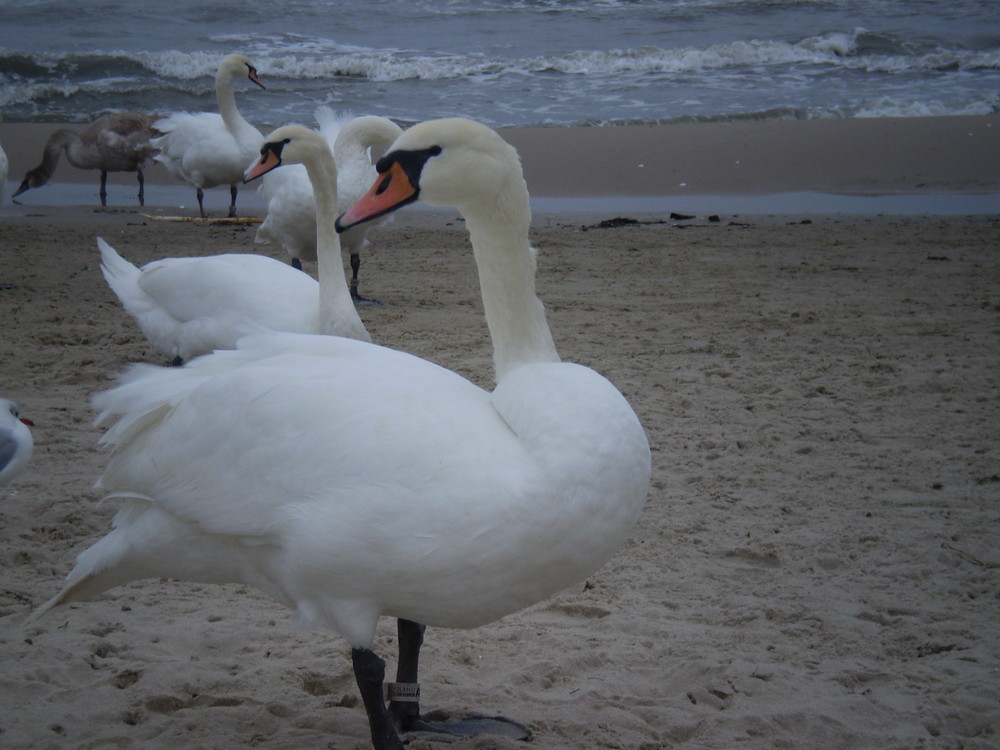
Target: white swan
[117,142]
[351,481]
[190,306]
[16,443]
[290,217]
[208,149]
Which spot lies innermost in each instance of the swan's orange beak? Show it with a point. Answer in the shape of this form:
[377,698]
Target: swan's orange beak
[391,190]
[268,161]
[252,75]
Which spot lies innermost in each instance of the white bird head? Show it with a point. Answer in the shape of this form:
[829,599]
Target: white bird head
[451,162]
[16,443]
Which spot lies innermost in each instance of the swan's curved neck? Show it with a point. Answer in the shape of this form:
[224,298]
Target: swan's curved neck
[337,314]
[227,102]
[61,139]
[360,134]
[506,264]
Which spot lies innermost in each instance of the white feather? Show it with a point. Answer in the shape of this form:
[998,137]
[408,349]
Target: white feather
[352,481]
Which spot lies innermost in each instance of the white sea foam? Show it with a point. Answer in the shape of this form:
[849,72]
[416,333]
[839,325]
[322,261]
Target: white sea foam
[889,107]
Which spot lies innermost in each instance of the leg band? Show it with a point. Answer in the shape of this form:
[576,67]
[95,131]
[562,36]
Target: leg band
[403,692]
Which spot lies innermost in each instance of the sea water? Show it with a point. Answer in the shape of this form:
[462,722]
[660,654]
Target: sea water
[506,62]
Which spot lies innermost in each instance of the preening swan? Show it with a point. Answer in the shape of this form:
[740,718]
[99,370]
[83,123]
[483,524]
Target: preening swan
[118,142]
[190,306]
[208,149]
[352,481]
[16,443]
[288,193]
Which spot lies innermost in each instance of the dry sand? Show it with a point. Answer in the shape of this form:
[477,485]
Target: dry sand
[816,567]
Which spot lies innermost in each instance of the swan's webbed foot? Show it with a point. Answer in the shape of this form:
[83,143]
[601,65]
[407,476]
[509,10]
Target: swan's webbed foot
[474,726]
[360,301]
[404,700]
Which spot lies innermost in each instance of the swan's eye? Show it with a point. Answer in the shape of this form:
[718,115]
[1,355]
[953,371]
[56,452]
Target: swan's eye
[411,162]
[276,148]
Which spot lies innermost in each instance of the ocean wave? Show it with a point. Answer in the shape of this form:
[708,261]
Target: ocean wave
[302,58]
[892,107]
[853,73]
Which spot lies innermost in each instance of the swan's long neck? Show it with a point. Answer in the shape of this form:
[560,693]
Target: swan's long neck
[227,103]
[61,139]
[506,264]
[337,314]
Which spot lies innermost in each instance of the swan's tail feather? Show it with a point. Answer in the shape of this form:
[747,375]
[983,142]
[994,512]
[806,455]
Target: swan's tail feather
[147,542]
[98,568]
[118,272]
[331,122]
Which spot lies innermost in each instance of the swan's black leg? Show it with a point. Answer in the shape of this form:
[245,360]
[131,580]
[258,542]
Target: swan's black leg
[358,299]
[142,184]
[201,202]
[104,187]
[296,264]
[369,671]
[404,710]
[232,203]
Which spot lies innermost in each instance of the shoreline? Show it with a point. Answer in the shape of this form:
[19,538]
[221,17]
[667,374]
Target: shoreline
[922,156]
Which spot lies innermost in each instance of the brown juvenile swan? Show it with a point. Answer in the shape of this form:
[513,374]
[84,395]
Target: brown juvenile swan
[118,142]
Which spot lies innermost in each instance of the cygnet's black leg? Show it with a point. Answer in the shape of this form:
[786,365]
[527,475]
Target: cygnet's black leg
[142,185]
[369,671]
[104,187]
[201,202]
[232,202]
[358,299]
[404,703]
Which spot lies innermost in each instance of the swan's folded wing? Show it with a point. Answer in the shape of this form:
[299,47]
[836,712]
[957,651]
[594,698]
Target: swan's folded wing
[231,440]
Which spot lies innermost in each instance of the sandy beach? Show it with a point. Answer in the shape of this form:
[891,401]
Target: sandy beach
[863,157]
[816,565]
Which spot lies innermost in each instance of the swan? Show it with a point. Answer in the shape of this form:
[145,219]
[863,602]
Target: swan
[351,481]
[288,193]
[190,306]
[116,142]
[208,149]
[16,443]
